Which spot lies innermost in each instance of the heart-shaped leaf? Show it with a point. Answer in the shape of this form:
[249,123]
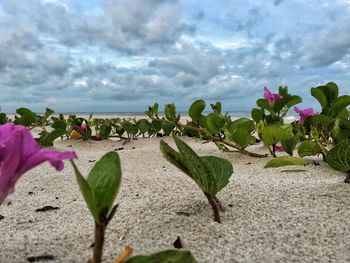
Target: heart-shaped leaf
[104,180]
[309,148]
[273,134]
[220,168]
[214,122]
[339,156]
[87,193]
[210,173]
[196,109]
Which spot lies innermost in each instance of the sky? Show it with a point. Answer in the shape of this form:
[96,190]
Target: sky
[123,55]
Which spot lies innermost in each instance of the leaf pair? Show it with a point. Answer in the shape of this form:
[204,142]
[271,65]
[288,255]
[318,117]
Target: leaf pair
[211,173]
[101,186]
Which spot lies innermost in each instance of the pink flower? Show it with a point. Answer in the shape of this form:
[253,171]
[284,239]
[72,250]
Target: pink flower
[279,148]
[83,126]
[271,97]
[19,152]
[304,114]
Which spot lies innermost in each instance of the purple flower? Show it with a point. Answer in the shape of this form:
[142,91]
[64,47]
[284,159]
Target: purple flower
[304,114]
[279,148]
[84,127]
[19,152]
[271,97]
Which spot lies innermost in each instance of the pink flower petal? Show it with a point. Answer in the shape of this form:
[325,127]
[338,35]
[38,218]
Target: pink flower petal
[19,152]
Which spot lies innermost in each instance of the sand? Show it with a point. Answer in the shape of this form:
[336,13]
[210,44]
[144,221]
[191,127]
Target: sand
[271,215]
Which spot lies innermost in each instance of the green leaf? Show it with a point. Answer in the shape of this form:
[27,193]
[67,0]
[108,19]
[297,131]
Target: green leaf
[199,172]
[167,256]
[320,96]
[339,104]
[196,109]
[332,91]
[214,122]
[156,125]
[263,104]
[273,134]
[221,169]
[47,138]
[170,112]
[3,118]
[309,148]
[339,156]
[290,143]
[59,125]
[173,157]
[242,137]
[143,125]
[27,117]
[105,130]
[87,193]
[257,114]
[48,113]
[284,161]
[104,180]
[242,123]
[167,128]
[216,107]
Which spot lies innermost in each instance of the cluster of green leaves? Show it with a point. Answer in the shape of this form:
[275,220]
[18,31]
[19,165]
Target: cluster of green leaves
[214,126]
[210,173]
[326,133]
[270,125]
[273,114]
[51,127]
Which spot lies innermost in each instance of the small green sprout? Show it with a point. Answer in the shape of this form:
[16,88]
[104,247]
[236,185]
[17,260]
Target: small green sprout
[211,173]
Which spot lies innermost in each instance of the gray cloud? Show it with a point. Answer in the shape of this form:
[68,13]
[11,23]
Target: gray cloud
[130,54]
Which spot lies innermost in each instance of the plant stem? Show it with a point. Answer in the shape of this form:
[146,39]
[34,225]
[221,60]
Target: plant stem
[214,207]
[347,178]
[217,201]
[274,150]
[99,241]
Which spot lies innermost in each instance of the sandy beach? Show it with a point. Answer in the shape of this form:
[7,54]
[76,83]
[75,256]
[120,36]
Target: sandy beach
[272,215]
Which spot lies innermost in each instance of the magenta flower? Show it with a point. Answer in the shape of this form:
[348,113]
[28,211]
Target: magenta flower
[84,127]
[304,114]
[19,152]
[271,97]
[279,148]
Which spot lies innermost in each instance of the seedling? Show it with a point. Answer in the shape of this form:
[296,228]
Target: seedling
[99,191]
[211,173]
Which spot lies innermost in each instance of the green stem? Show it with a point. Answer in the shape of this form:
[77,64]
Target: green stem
[99,241]
[214,206]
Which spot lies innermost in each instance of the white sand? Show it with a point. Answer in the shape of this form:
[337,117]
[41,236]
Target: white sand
[271,216]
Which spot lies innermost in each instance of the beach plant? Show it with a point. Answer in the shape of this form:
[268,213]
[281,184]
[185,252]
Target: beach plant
[339,158]
[99,190]
[19,153]
[273,134]
[274,106]
[210,173]
[215,126]
[333,121]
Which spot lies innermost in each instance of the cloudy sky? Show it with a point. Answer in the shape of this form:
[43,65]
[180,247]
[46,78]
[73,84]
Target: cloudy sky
[122,55]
